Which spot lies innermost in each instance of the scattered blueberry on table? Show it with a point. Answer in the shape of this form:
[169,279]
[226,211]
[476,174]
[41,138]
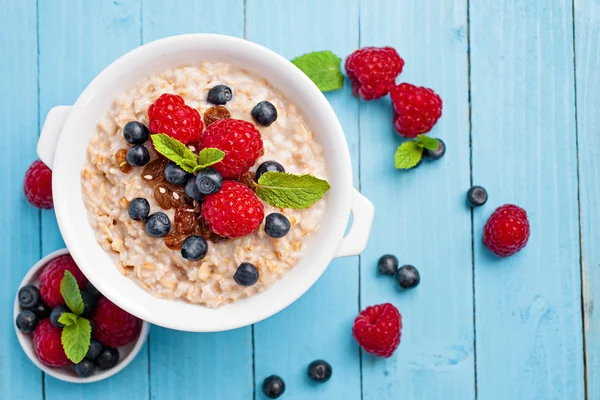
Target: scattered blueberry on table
[319,371]
[273,387]
[408,277]
[437,153]
[476,196]
[387,264]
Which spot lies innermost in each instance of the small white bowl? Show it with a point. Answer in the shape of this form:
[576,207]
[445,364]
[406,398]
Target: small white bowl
[126,353]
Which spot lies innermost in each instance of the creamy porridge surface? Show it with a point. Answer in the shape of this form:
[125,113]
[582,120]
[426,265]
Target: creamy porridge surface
[158,269]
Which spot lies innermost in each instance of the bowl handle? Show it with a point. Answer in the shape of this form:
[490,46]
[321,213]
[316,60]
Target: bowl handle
[356,240]
[55,119]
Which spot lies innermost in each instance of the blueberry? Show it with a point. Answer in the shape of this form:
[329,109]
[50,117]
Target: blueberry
[26,321]
[92,290]
[138,209]
[135,132]
[55,315]
[246,274]
[476,196]
[158,225]
[94,350]
[41,310]
[89,302]
[175,174]
[408,276]
[107,358]
[138,155]
[29,296]
[319,371]
[277,225]
[85,368]
[268,166]
[191,190]
[209,181]
[273,387]
[194,248]
[264,113]
[437,153]
[219,95]
[387,264]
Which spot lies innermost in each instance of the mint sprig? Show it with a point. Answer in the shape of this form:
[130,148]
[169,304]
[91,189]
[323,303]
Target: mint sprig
[68,319]
[69,289]
[76,338]
[428,142]
[323,68]
[208,157]
[285,190]
[410,153]
[179,153]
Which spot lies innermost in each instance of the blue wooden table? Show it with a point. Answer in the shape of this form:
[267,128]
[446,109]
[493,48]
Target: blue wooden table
[520,81]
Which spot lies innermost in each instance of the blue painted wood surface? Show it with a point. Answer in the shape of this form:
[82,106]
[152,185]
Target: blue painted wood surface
[520,84]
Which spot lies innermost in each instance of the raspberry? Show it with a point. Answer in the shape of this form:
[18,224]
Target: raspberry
[373,71]
[416,109]
[48,346]
[241,142]
[506,231]
[377,329]
[38,185]
[113,326]
[169,115]
[234,211]
[53,274]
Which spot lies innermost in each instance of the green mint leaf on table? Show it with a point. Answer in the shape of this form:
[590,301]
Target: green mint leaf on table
[68,319]
[428,142]
[71,294]
[175,151]
[408,155]
[285,190]
[75,339]
[323,68]
[208,157]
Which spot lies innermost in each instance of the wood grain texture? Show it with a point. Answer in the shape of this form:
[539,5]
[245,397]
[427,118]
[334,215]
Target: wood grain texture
[528,307]
[587,37]
[420,214]
[20,245]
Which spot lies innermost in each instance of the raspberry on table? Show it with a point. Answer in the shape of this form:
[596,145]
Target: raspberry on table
[416,109]
[373,71]
[53,274]
[113,326]
[48,346]
[170,115]
[377,329]
[506,231]
[241,142]
[234,211]
[38,185]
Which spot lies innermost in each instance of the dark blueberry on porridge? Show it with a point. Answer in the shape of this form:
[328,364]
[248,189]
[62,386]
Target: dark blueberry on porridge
[192,191]
[264,113]
[273,387]
[209,181]
[277,225]
[41,310]
[26,321]
[268,166]
[138,155]
[85,368]
[29,296]
[387,265]
[175,174]
[219,95]
[92,289]
[135,132]
[319,371]
[246,274]
[89,302]
[94,350]
[55,315]
[408,276]
[107,358]
[139,208]
[158,225]
[194,248]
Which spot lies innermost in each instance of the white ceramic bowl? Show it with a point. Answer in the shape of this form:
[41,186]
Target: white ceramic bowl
[126,353]
[63,147]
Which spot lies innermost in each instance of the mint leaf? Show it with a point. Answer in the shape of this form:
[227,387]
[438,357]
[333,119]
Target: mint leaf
[284,190]
[428,142]
[67,319]
[175,151]
[323,68]
[208,157]
[75,339]
[408,155]
[69,289]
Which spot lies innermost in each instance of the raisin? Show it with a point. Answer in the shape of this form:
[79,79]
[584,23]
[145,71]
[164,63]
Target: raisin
[154,171]
[185,220]
[248,180]
[203,230]
[168,196]
[174,240]
[216,113]
[121,157]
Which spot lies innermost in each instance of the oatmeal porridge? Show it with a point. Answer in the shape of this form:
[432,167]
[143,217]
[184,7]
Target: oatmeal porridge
[233,263]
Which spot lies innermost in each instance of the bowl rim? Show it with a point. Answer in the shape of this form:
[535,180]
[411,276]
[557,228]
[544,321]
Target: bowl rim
[57,372]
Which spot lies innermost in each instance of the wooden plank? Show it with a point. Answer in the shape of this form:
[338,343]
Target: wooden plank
[188,365]
[318,325]
[77,41]
[528,307]
[587,37]
[420,214]
[21,248]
